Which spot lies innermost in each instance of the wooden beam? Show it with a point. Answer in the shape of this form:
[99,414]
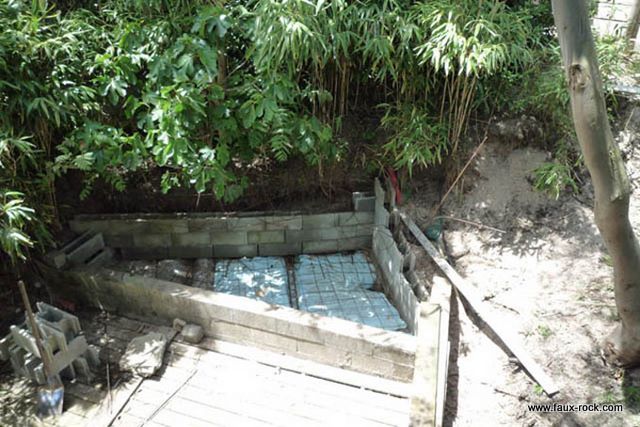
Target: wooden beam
[506,334]
[441,295]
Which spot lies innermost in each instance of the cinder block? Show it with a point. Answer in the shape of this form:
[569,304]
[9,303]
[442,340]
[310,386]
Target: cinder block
[201,238]
[381,217]
[380,367]
[319,246]
[394,355]
[86,249]
[288,222]
[161,226]
[152,240]
[271,236]
[365,229]
[247,223]
[190,252]
[330,355]
[207,224]
[354,243]
[81,226]
[148,252]
[363,202]
[234,251]
[279,249]
[319,221]
[409,262]
[378,191]
[355,218]
[118,240]
[128,226]
[236,237]
[309,234]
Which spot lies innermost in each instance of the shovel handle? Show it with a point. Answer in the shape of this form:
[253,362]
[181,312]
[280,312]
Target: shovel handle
[35,330]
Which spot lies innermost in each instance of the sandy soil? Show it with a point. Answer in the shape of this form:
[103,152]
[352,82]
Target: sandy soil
[547,276]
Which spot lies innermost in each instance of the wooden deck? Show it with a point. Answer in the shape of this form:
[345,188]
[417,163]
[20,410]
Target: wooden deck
[221,384]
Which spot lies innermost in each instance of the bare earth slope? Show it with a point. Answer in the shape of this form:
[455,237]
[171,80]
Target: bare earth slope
[549,278]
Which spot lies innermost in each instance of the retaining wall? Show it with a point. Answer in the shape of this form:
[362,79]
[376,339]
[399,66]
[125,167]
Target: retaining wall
[327,340]
[224,236]
[393,262]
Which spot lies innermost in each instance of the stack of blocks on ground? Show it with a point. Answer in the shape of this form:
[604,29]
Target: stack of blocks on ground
[66,347]
[334,288]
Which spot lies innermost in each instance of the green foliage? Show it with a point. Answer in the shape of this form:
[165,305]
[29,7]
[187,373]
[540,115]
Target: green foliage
[202,92]
[418,141]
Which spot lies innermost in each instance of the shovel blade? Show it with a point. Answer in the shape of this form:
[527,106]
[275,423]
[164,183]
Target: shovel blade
[50,400]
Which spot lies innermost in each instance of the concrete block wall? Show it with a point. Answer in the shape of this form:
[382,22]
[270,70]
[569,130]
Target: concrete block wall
[228,236]
[393,263]
[327,340]
[612,16]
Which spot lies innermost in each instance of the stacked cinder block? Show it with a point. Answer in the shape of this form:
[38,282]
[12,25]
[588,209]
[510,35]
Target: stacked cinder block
[209,235]
[284,330]
[394,262]
[66,347]
[87,250]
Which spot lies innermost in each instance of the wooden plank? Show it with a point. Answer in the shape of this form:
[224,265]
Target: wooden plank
[423,402]
[323,393]
[308,367]
[288,387]
[441,295]
[110,409]
[315,383]
[501,329]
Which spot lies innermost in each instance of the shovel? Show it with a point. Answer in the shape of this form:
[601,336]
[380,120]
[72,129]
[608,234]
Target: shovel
[50,396]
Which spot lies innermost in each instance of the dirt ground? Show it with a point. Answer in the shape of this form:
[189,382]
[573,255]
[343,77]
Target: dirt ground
[547,276]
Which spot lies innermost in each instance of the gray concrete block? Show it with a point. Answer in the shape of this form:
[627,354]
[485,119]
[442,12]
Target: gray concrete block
[309,234]
[160,226]
[285,222]
[354,243]
[190,252]
[279,249]
[409,262]
[378,191]
[86,249]
[145,252]
[152,240]
[381,217]
[129,226]
[363,202]
[319,246]
[236,237]
[234,251]
[101,258]
[207,224]
[199,238]
[97,226]
[355,218]
[118,240]
[319,221]
[390,195]
[365,230]
[56,259]
[270,236]
[247,223]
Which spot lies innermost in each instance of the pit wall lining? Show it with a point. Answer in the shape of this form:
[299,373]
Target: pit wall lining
[392,261]
[327,340]
[210,235]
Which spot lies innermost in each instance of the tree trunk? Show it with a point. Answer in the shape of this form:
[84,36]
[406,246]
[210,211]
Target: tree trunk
[605,165]
[634,24]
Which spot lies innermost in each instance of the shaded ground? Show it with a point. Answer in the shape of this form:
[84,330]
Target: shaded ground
[547,276]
